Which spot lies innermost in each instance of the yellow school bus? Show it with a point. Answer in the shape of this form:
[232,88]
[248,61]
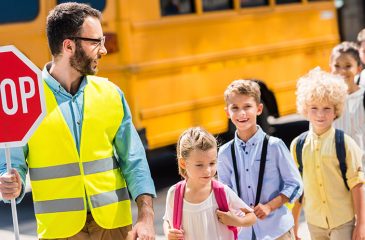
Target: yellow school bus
[174,58]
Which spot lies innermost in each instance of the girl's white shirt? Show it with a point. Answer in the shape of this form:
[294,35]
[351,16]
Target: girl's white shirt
[200,219]
[352,120]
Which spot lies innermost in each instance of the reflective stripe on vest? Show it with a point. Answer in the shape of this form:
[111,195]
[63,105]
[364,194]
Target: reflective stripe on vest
[77,204]
[106,198]
[72,169]
[63,178]
[61,205]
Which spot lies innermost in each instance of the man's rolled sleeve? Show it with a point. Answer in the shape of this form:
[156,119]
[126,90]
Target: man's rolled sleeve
[132,157]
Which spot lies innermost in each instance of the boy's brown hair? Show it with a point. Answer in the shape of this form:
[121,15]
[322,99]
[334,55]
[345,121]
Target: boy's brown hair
[244,87]
[195,138]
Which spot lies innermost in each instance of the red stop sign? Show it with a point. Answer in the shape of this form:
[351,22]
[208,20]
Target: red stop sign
[22,105]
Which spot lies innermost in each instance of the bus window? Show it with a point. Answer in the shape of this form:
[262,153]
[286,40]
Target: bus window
[18,11]
[214,5]
[287,1]
[254,3]
[176,7]
[98,4]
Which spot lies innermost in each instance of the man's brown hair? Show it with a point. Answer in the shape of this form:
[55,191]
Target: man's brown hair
[65,21]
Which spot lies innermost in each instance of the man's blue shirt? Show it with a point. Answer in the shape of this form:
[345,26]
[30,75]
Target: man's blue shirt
[127,144]
[281,177]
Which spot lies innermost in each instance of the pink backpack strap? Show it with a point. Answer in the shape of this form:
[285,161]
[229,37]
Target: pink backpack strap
[220,196]
[178,204]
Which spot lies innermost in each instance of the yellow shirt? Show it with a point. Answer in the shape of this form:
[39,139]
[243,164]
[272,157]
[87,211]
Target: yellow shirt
[327,202]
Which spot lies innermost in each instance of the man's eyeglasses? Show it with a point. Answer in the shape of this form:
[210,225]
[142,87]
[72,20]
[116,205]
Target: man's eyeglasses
[99,41]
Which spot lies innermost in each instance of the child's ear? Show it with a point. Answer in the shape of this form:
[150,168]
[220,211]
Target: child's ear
[182,163]
[227,112]
[260,107]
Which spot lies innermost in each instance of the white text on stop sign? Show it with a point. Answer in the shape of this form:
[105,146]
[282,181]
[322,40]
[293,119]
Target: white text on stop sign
[7,86]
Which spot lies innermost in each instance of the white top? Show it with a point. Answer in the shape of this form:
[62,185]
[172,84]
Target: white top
[362,78]
[352,120]
[200,219]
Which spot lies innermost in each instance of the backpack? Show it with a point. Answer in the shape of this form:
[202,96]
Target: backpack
[269,99]
[220,196]
[340,152]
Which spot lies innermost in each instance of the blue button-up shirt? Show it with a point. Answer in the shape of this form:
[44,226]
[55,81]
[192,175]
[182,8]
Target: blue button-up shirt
[128,146]
[281,177]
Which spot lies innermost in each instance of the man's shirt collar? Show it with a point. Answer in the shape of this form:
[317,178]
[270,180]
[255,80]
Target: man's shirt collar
[56,86]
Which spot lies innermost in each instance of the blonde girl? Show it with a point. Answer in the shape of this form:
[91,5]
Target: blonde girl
[197,156]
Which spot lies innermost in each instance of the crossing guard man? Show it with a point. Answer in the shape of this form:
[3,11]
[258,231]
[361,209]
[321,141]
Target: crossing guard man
[86,154]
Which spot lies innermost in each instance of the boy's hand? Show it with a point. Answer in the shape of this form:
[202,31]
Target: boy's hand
[175,234]
[262,210]
[227,218]
[10,185]
[359,232]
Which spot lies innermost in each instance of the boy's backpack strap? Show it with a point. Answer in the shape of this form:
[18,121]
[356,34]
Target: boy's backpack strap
[262,168]
[299,150]
[234,163]
[341,154]
[220,197]
[363,100]
[178,204]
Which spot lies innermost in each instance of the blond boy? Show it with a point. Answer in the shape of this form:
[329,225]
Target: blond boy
[330,208]
[281,181]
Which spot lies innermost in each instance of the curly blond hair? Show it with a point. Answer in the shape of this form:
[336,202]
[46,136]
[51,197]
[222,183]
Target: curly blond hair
[195,138]
[244,87]
[320,86]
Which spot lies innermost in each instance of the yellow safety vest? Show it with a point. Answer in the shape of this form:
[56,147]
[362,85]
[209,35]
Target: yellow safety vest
[62,179]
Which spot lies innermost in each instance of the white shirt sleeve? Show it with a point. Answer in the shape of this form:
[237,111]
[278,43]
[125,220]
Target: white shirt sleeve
[169,205]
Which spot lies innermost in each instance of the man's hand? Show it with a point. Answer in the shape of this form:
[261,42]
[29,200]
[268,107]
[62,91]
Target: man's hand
[144,229]
[262,210]
[10,185]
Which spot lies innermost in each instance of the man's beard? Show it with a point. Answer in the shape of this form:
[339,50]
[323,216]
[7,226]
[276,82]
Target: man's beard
[81,62]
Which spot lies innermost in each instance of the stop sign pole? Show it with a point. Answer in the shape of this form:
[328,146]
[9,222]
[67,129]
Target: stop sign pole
[22,105]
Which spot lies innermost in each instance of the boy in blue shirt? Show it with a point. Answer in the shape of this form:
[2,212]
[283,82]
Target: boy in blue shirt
[240,160]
